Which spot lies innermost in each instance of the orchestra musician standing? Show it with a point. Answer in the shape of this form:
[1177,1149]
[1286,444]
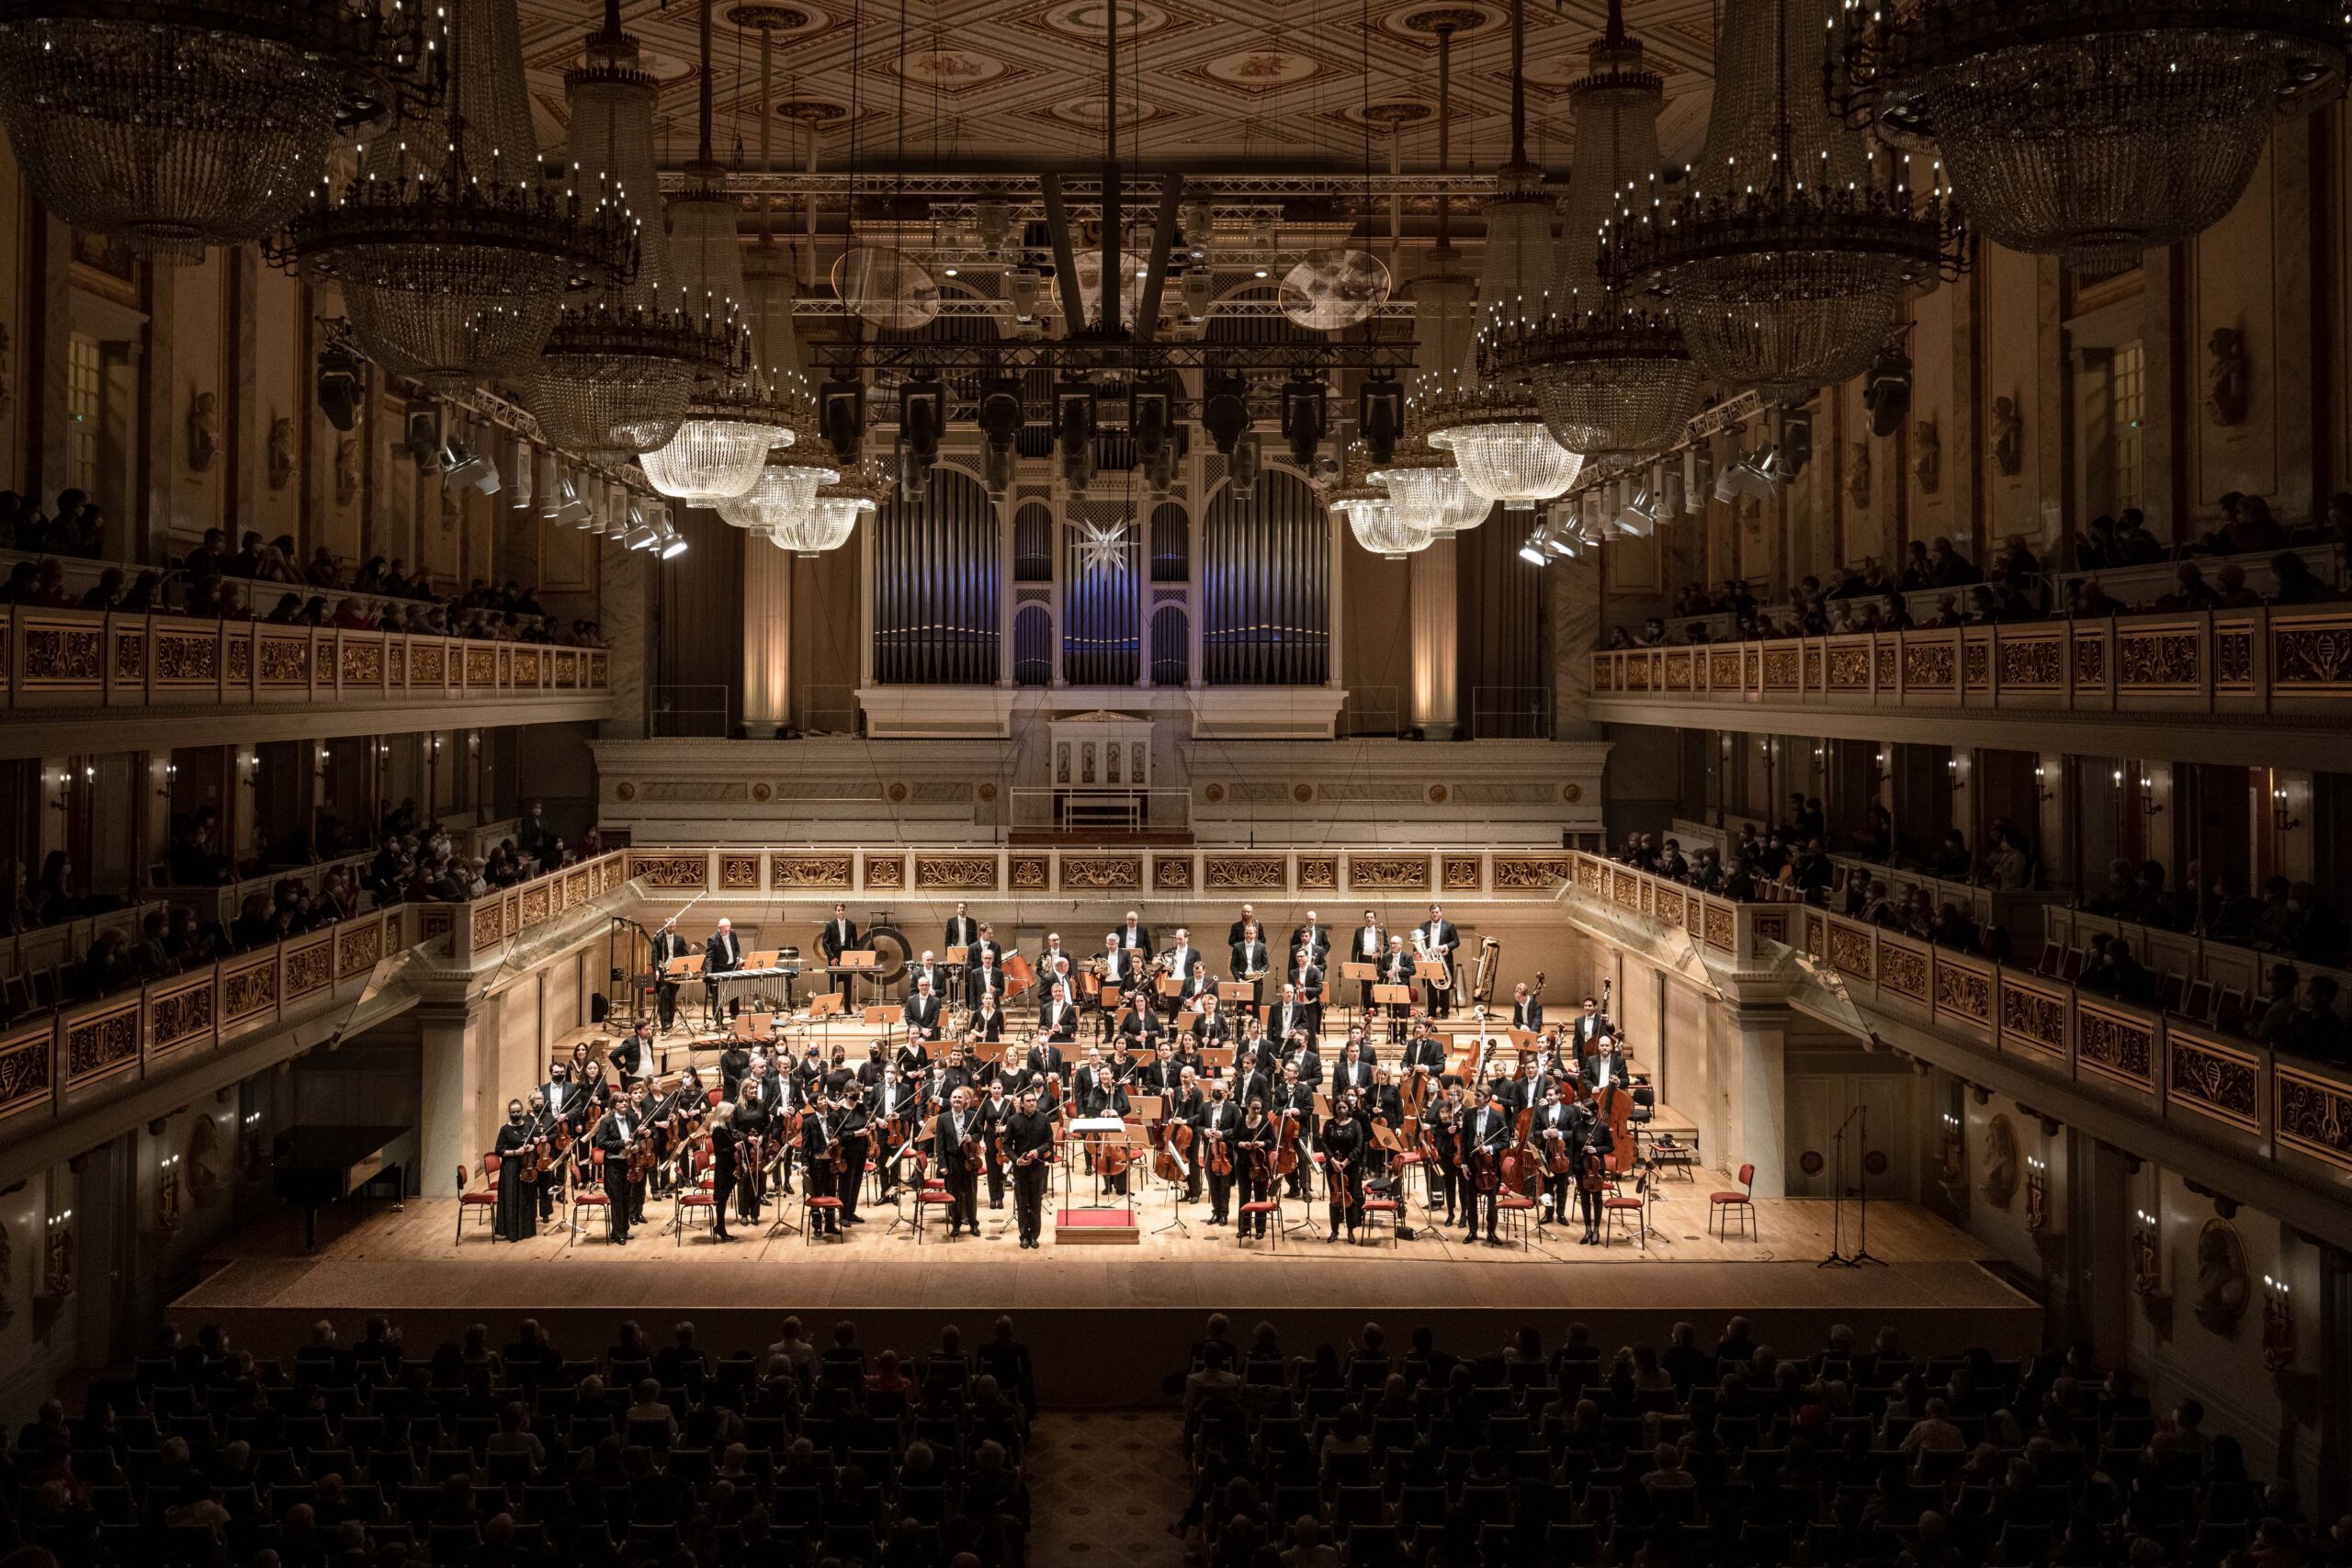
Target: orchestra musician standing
[1397,969]
[1485,1130]
[1057,1018]
[1437,941]
[668,948]
[720,955]
[512,1220]
[1253,1164]
[1291,1015]
[853,1132]
[995,1109]
[952,1132]
[819,1132]
[1347,1138]
[615,1133]
[922,1012]
[962,929]
[839,936]
[1600,1143]
[1310,947]
[1250,961]
[987,1019]
[1029,1140]
[1221,1124]
[1553,1133]
[726,1165]
[1368,945]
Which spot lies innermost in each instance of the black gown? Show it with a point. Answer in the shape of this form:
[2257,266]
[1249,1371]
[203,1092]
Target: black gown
[518,1216]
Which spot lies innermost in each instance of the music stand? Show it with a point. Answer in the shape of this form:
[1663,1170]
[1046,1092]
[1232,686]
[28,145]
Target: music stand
[1364,972]
[888,1015]
[1240,994]
[823,1008]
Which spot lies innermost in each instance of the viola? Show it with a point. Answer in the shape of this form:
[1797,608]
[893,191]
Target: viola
[1594,1176]
[1220,1155]
[1563,1161]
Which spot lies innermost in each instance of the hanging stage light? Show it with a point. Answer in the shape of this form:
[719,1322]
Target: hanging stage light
[1075,423]
[1225,411]
[1306,416]
[841,413]
[1380,417]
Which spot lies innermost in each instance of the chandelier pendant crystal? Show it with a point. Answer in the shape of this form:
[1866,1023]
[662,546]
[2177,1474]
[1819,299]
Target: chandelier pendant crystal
[1500,446]
[1379,523]
[785,495]
[1794,240]
[2092,129]
[451,251]
[1609,369]
[179,124]
[1426,488]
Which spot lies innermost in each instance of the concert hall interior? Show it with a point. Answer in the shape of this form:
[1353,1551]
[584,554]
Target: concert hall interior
[669,665]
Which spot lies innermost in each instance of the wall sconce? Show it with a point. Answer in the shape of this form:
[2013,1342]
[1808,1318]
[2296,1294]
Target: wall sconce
[57,801]
[167,1195]
[2041,790]
[1958,775]
[2278,1326]
[1951,1155]
[250,1164]
[2147,1260]
[2149,804]
[2281,820]
[2037,1192]
[165,776]
[57,1256]
[248,769]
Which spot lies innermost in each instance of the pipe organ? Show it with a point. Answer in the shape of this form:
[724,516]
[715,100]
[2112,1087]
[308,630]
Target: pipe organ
[1266,586]
[938,585]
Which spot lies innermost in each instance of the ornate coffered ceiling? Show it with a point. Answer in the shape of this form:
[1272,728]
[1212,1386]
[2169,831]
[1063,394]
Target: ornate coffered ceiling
[1207,87]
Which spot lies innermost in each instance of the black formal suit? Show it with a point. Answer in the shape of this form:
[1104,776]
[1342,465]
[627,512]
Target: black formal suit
[759,1102]
[1359,953]
[1609,1067]
[1596,1140]
[934,973]
[1180,966]
[1443,941]
[984,979]
[1058,1022]
[1137,939]
[1220,1120]
[818,1131]
[1316,939]
[1558,1118]
[1288,1016]
[1212,1029]
[723,953]
[1030,1136]
[1044,1061]
[514,1219]
[628,1060]
[1251,958]
[1094,1089]
[1253,1153]
[1589,1027]
[1140,1023]
[922,1012]
[726,1173]
[1397,969]
[1309,1062]
[1299,1100]
[1528,1015]
[614,1136]
[1428,1052]
[668,945]
[1488,1129]
[992,1113]
[1348,1075]
[1254,1084]
[951,1131]
[963,930]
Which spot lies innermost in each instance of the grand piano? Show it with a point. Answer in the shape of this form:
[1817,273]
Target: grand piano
[312,1167]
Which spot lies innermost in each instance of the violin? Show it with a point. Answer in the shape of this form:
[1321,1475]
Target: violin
[1563,1160]
[1220,1154]
[1594,1176]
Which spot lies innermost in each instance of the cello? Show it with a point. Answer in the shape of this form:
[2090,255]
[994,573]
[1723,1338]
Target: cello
[1173,1163]
[1614,1107]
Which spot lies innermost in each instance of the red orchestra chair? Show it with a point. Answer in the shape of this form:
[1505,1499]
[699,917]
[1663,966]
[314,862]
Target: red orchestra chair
[1512,1206]
[1270,1206]
[1618,1209]
[1373,1210]
[811,1207]
[1721,1206]
[591,1195]
[695,1198]
[484,1203]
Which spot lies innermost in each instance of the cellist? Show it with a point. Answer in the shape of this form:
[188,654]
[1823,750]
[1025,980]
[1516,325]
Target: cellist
[1295,1099]
[1346,1137]
[1188,1106]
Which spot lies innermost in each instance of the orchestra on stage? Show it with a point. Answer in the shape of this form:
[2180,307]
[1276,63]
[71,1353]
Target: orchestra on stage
[1247,1093]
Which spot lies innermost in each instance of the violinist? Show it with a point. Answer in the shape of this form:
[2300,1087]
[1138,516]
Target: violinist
[1189,1107]
[1347,1138]
[914,1056]
[1295,1099]
[1097,1090]
[1442,1132]
[1220,1128]
[515,1221]
[727,1175]
[854,1134]
[1164,1076]
[1057,1020]
[614,1136]
[808,1076]
[1558,1142]
[759,1101]
[996,1108]
[564,1098]
[599,1092]
[825,1165]
[1425,1056]
[952,1154]
[1044,1060]
[1486,1133]
[898,1107]
[1299,1052]
[1592,1165]
[987,1019]
[953,1074]
[870,1071]
[551,1134]
[1253,1078]
[1254,1162]
[1028,1143]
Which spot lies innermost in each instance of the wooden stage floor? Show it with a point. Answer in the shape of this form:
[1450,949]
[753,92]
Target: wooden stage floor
[1105,1320]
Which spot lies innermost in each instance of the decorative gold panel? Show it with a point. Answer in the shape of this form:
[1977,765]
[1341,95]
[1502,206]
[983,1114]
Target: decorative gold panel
[565,670]
[439,924]
[481,667]
[488,924]
[2150,660]
[1589,874]
[799,872]
[2115,1045]
[526,667]
[1461,874]
[2218,1080]
[691,871]
[1722,671]
[1319,873]
[1976,665]
[1026,874]
[739,873]
[249,990]
[24,1064]
[597,666]
[396,664]
[886,874]
[1850,669]
[240,658]
[2032,1017]
[1243,874]
[1964,992]
[2090,660]
[611,874]
[956,873]
[285,661]
[1902,971]
[1634,669]
[1779,669]
[129,658]
[1604,671]
[1849,952]
[1812,668]
[1885,665]
[505,665]
[1669,905]
[61,656]
[1929,668]
[1626,889]
[362,663]
[532,906]
[1171,873]
[1530,874]
[2234,657]
[180,1015]
[1718,927]
[2315,1115]
[1769,925]
[102,1044]
[310,968]
[428,664]
[2308,658]
[186,659]
[579,886]
[1816,935]
[1678,671]
[358,950]
[2033,663]
[1102,874]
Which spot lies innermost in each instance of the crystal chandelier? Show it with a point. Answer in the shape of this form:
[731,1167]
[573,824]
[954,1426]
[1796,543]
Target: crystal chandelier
[619,369]
[1609,370]
[829,521]
[1787,252]
[1494,430]
[452,253]
[178,124]
[724,442]
[2093,130]
[785,496]
[1378,524]
[1429,491]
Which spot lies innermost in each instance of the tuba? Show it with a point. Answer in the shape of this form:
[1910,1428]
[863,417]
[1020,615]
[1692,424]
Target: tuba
[1482,987]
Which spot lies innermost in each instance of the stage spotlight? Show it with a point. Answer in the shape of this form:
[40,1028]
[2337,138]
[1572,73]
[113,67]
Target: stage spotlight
[1151,418]
[1025,286]
[1750,475]
[840,409]
[674,543]
[1698,474]
[643,534]
[1532,552]
[1638,515]
[1887,391]
[1225,411]
[1199,292]
[340,386]
[1242,467]
[1796,445]
[550,485]
[1305,415]
[1380,417]
[422,438]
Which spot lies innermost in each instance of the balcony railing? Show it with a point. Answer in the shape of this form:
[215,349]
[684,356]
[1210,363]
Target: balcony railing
[2252,1098]
[67,1062]
[2232,663]
[75,659]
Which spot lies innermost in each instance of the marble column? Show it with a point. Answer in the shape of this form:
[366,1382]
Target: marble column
[453,1114]
[767,638]
[1436,703]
